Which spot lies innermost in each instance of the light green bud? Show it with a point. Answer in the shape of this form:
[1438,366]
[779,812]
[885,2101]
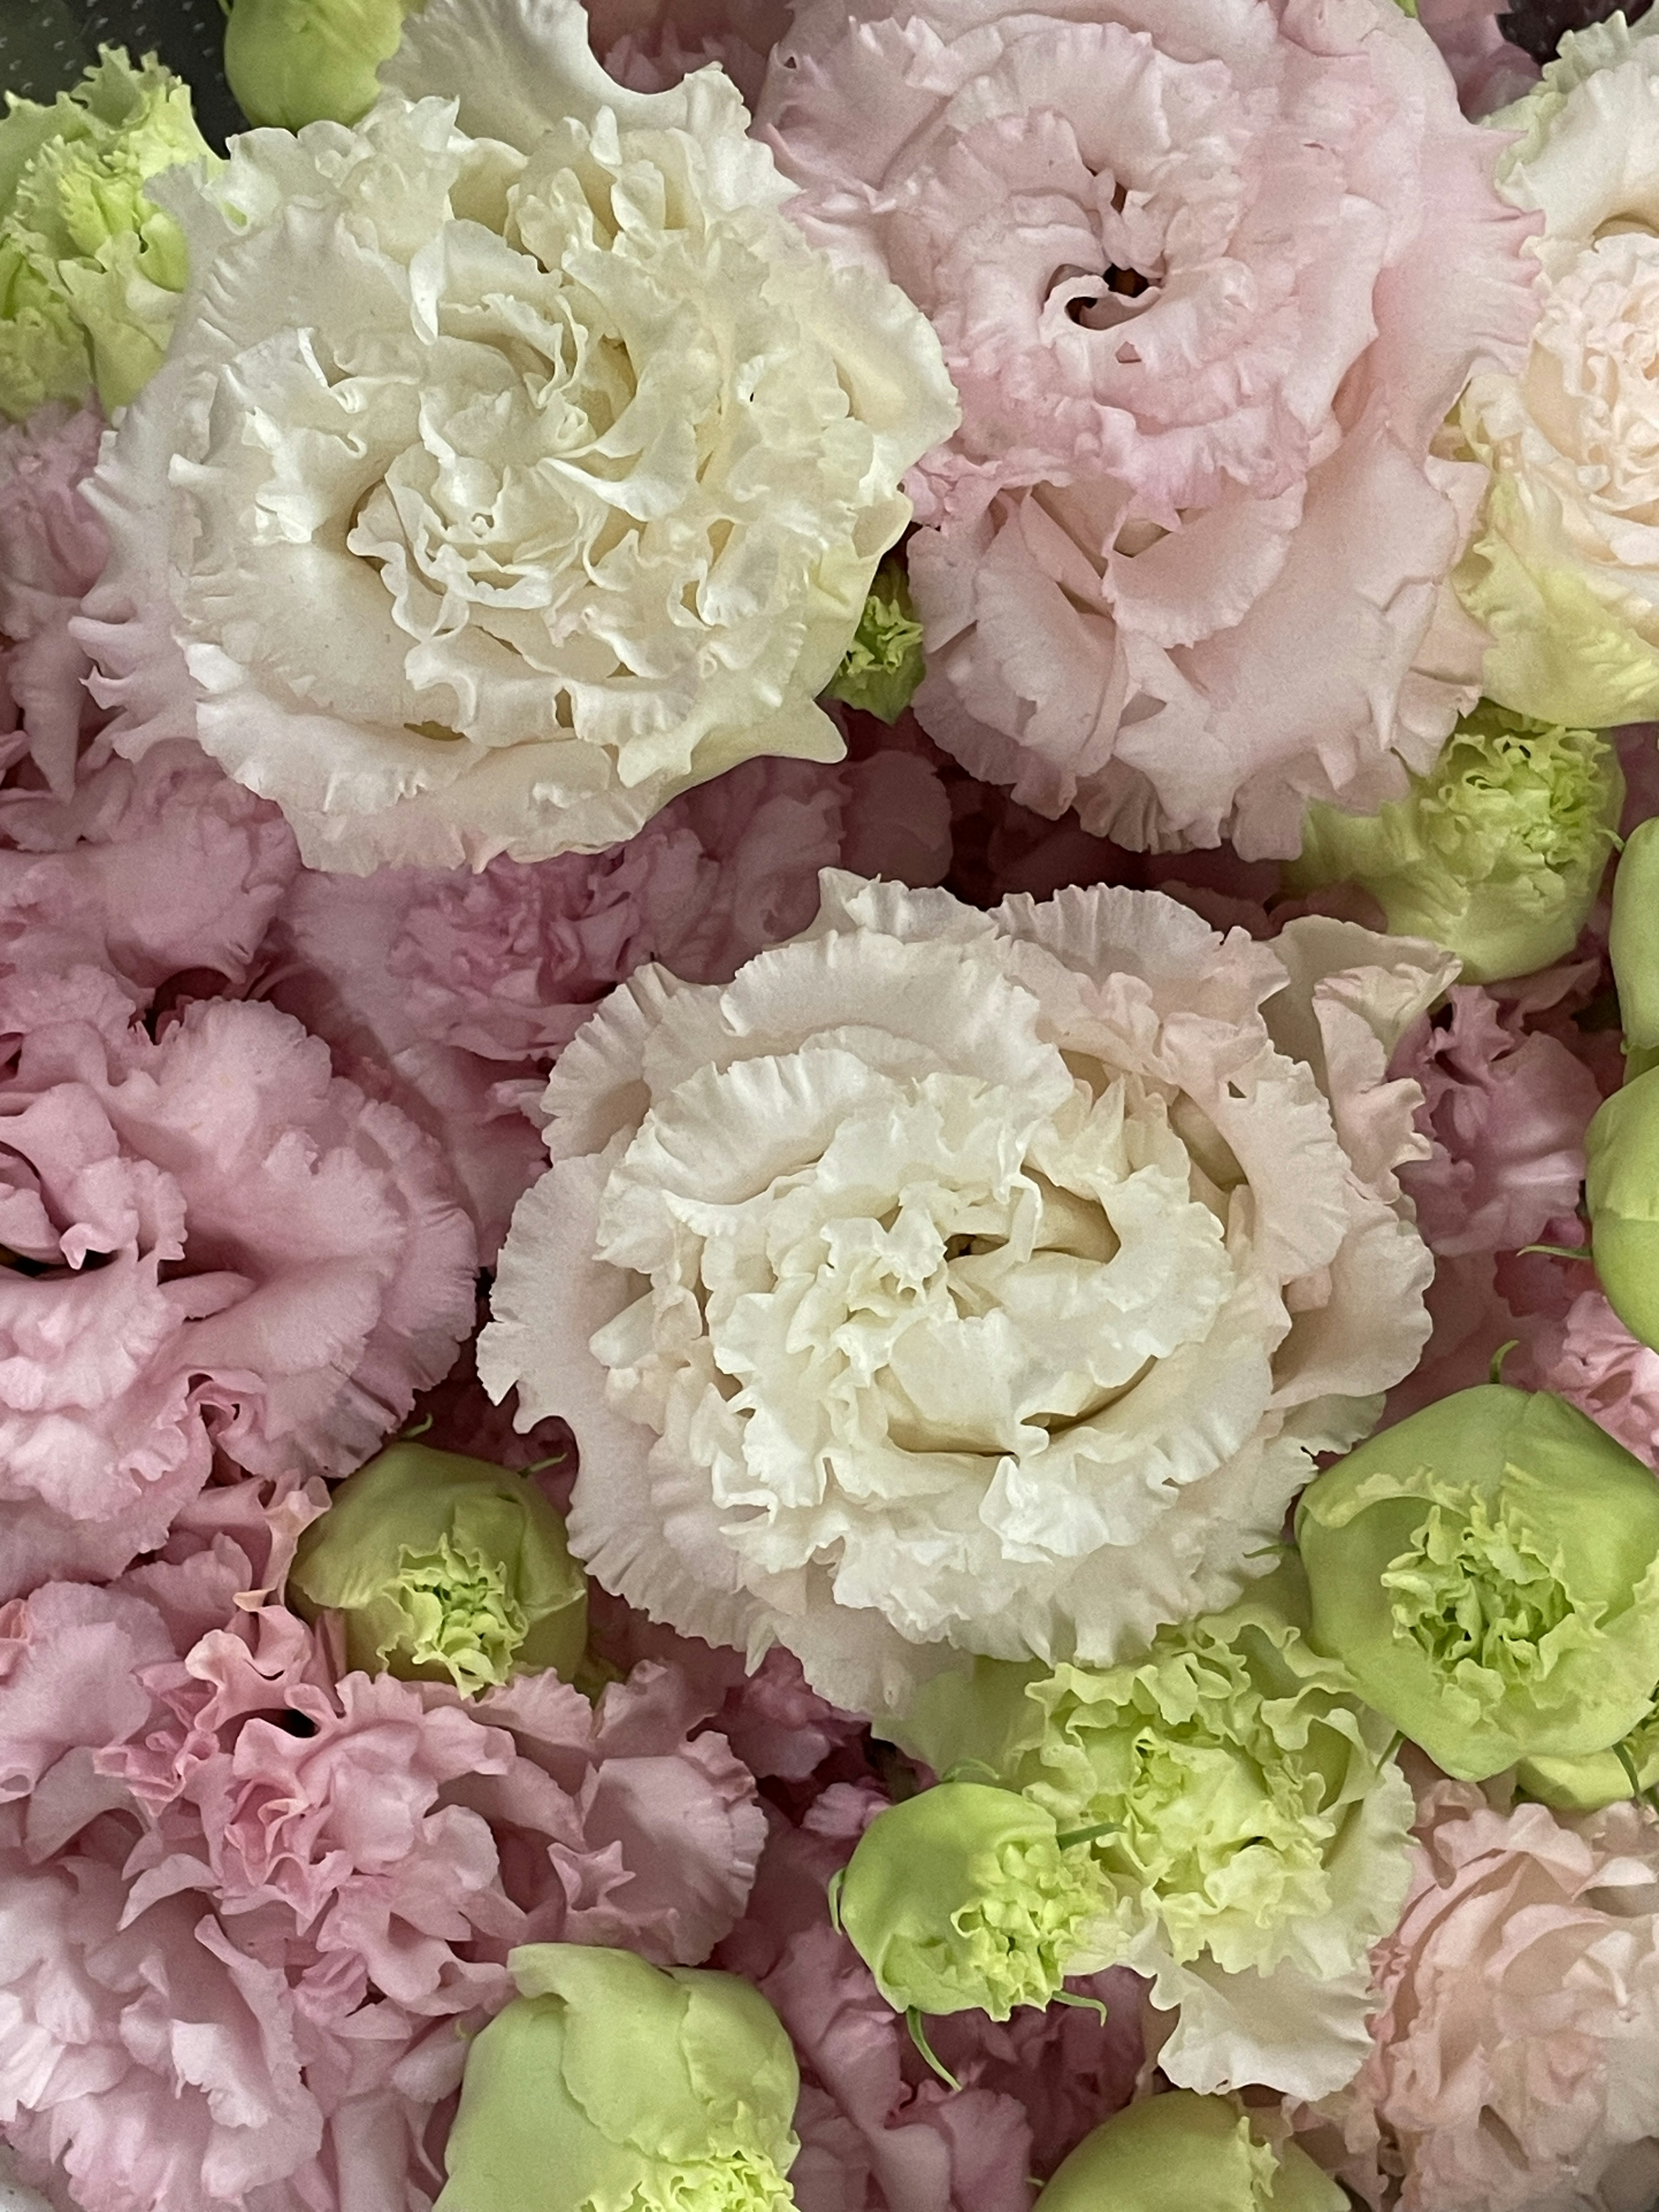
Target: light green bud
[90,269]
[611,2086]
[443,1568]
[1496,852]
[1621,1190]
[1184,2153]
[294,62]
[1600,1778]
[961,1900]
[1633,939]
[883,663]
[1488,1571]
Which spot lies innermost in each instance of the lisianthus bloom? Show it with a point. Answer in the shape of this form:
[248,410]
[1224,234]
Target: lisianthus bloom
[608,2080]
[1489,1571]
[1513,2063]
[444,1568]
[1248,1829]
[1496,852]
[1564,569]
[1207,288]
[962,1282]
[90,268]
[963,1900]
[52,548]
[1166,2153]
[516,465]
[294,62]
[1621,1194]
[211,1242]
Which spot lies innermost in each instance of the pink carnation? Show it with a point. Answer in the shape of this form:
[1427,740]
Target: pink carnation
[1513,2067]
[53,550]
[219,1244]
[1207,280]
[649,45]
[1589,1357]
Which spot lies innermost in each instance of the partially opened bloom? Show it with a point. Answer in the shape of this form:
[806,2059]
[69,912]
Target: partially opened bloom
[1489,1571]
[1497,851]
[1207,284]
[443,1568]
[609,2081]
[1166,2153]
[91,270]
[517,464]
[952,1282]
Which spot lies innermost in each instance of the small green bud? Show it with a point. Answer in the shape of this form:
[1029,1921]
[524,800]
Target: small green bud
[444,1568]
[1488,1571]
[294,62]
[1621,1189]
[1496,852]
[961,1900]
[90,269]
[1633,939]
[883,663]
[1180,2151]
[611,2083]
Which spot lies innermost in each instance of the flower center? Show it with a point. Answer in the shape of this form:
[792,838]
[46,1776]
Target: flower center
[1479,1601]
[459,1614]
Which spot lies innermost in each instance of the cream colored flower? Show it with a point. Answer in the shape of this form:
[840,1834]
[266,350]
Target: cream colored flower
[953,1282]
[516,465]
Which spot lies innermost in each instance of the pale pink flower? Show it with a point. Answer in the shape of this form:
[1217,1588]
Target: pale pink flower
[218,1243]
[1488,71]
[1515,2065]
[1207,279]
[649,45]
[1589,1357]
[53,550]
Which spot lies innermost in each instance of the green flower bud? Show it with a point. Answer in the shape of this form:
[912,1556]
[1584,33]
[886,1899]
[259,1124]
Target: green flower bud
[611,2086]
[1496,852]
[1633,940]
[961,1900]
[1621,1186]
[294,62]
[1179,2152]
[1600,1778]
[444,1568]
[90,270]
[1489,1572]
[883,663]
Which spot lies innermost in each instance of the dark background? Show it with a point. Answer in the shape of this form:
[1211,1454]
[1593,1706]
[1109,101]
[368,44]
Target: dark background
[46,44]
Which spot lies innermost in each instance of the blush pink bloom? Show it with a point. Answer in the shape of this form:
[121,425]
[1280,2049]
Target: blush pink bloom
[1488,71]
[1515,2065]
[53,550]
[649,45]
[1589,1357]
[219,1243]
[1208,278]
[452,993]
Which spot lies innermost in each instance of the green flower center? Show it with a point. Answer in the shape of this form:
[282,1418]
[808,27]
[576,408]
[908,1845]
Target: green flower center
[458,1613]
[1510,796]
[736,2181]
[1014,1942]
[1482,1604]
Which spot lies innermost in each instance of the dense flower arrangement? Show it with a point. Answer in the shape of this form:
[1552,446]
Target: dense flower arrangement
[829,1070]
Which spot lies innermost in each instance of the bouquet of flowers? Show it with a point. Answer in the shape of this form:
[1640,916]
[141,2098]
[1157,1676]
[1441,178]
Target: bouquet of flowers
[830,1109]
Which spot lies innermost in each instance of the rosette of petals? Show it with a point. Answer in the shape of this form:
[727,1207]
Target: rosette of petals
[961,1282]
[1512,2060]
[587,456]
[212,1241]
[1206,284]
[52,548]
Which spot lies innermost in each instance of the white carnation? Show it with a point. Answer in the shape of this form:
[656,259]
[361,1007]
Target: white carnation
[516,464]
[952,1282]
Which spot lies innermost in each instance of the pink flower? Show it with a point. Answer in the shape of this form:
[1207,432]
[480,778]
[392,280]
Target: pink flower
[219,1243]
[52,549]
[1488,70]
[1207,281]
[1513,2067]
[452,993]
[1589,1357]
[649,45]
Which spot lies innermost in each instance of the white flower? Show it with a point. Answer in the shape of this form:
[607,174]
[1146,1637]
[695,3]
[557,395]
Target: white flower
[1564,570]
[516,464]
[954,1282]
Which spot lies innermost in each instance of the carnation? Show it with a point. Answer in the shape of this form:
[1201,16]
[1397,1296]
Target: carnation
[213,1242]
[1206,289]
[953,1282]
[516,465]
[1564,570]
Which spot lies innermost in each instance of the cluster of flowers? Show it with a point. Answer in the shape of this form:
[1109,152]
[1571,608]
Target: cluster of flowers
[829,1174]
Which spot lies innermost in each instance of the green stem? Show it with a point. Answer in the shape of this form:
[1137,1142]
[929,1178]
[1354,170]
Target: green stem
[1086,1835]
[1084,2004]
[1561,1251]
[1496,1370]
[919,2037]
[832,1891]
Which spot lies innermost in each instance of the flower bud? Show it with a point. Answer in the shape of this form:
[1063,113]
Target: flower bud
[1496,853]
[884,664]
[1488,1571]
[610,2082]
[444,1568]
[90,269]
[1621,1189]
[961,1900]
[1177,2152]
[294,62]
[1633,939]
